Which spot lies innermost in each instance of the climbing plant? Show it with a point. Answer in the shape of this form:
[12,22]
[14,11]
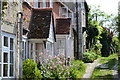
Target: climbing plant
[4,6]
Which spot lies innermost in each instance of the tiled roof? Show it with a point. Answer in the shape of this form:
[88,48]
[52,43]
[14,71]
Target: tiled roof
[63,25]
[40,23]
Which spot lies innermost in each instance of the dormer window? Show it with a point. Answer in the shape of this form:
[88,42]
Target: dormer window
[63,12]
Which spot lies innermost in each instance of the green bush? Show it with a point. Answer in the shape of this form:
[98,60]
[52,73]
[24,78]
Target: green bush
[89,56]
[77,69]
[55,68]
[30,70]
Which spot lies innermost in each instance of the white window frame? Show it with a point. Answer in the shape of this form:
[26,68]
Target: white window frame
[61,13]
[83,18]
[51,4]
[44,4]
[7,50]
[24,48]
[63,47]
[36,4]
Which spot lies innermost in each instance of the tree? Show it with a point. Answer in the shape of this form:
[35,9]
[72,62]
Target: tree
[99,35]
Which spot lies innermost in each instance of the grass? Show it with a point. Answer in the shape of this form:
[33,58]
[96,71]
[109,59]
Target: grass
[78,69]
[105,73]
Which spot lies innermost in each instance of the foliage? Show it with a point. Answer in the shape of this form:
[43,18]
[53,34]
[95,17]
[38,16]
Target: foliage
[54,68]
[115,44]
[96,14]
[59,68]
[109,63]
[77,69]
[4,6]
[99,73]
[98,37]
[30,70]
[106,41]
[118,25]
[89,56]
[93,34]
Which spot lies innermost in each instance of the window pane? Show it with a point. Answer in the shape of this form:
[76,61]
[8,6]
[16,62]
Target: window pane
[31,50]
[5,70]
[36,4]
[5,57]
[0,57]
[23,55]
[11,69]
[0,70]
[11,57]
[6,41]
[11,44]
[25,51]
[22,44]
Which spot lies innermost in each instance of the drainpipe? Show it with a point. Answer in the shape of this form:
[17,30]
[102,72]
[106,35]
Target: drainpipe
[77,29]
[80,33]
[19,45]
[0,27]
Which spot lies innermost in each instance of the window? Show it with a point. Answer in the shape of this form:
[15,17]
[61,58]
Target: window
[31,53]
[49,47]
[11,43]
[5,41]
[44,4]
[0,70]
[24,49]
[83,18]
[5,64]
[5,57]
[5,70]
[63,12]
[51,4]
[7,67]
[61,46]
[35,3]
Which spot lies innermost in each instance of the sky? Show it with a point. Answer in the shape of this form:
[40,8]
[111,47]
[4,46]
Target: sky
[109,6]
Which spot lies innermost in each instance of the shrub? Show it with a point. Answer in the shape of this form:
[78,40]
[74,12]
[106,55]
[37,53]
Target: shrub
[30,70]
[54,68]
[77,69]
[89,56]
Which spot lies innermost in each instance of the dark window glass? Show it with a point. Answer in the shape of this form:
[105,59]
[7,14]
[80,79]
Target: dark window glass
[5,70]
[5,57]
[22,44]
[25,51]
[0,70]
[0,57]
[6,41]
[11,69]
[11,57]
[11,43]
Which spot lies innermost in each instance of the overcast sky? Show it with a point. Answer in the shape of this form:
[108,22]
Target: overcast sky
[109,6]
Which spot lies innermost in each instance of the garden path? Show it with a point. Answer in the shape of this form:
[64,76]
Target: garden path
[91,66]
[115,72]
[90,69]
